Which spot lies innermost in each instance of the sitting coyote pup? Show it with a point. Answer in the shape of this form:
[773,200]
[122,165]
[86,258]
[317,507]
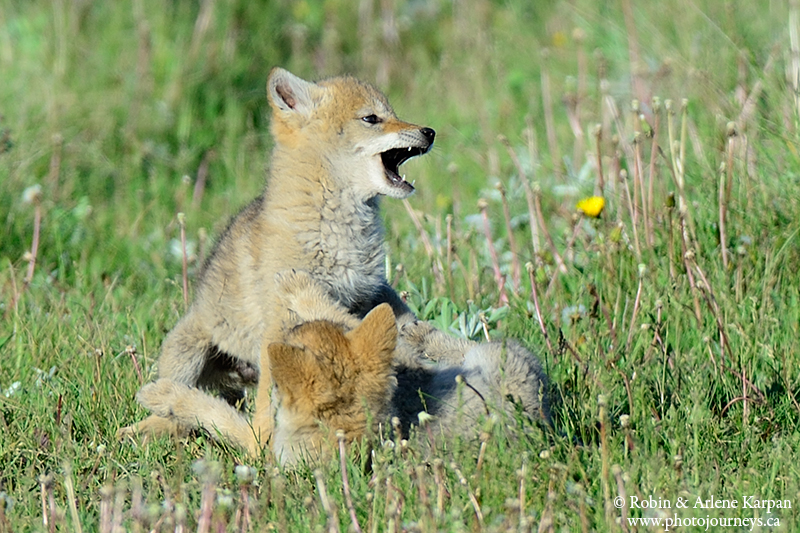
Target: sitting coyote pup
[333,371]
[338,146]
[330,372]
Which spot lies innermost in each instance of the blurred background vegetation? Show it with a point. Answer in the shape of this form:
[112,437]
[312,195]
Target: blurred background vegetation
[117,106]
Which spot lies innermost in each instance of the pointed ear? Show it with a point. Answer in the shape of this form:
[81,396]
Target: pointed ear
[376,336]
[287,93]
[294,370]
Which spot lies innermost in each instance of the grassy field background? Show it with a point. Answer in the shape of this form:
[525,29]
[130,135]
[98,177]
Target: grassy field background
[671,322]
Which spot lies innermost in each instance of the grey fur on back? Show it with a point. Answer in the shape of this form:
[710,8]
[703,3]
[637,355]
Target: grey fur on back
[506,375]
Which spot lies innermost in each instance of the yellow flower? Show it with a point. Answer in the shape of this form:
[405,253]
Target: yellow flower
[559,39]
[592,206]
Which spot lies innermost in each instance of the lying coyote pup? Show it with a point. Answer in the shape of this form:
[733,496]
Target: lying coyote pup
[338,146]
[335,372]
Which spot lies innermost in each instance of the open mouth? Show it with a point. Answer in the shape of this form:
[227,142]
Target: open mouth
[392,159]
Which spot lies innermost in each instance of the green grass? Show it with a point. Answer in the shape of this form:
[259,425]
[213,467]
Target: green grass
[113,109]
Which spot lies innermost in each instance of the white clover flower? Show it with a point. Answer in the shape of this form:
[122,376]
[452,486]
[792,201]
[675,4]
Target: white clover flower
[244,473]
[14,387]
[32,194]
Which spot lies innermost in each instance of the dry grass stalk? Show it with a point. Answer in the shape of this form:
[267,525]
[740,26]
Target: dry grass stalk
[603,309]
[206,508]
[580,36]
[348,498]
[523,521]
[530,137]
[616,471]
[725,187]
[499,278]
[426,242]
[723,237]
[204,20]
[636,155]
[653,155]
[105,508]
[202,178]
[49,512]
[682,164]
[646,213]
[512,242]
[631,329]
[549,122]
[576,219]
[55,164]
[536,305]
[657,340]
[427,518]
[537,202]
[794,40]
[599,189]
[246,475]
[120,492]
[602,403]
[623,177]
[473,500]
[637,83]
[137,505]
[671,240]
[677,153]
[547,523]
[36,199]
[448,269]
[330,512]
[366,23]
[131,351]
[676,162]
[441,490]
[482,451]
[613,178]
[32,194]
[184,259]
[71,500]
[570,100]
[711,302]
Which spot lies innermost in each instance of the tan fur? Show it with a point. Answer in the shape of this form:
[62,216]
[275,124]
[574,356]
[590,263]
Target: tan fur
[319,213]
[334,382]
[334,371]
[331,372]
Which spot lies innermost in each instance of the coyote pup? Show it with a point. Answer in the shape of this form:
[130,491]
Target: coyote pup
[338,146]
[333,371]
[469,380]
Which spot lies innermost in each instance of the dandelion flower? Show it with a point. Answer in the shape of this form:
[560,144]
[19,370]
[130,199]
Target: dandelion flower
[592,206]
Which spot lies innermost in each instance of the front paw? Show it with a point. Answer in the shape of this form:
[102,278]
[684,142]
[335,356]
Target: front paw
[416,334]
[152,426]
[161,396]
[127,431]
[247,372]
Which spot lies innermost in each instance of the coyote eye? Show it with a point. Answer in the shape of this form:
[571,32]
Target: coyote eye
[371,119]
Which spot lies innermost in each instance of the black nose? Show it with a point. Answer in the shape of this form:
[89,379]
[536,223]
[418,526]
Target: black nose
[428,133]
